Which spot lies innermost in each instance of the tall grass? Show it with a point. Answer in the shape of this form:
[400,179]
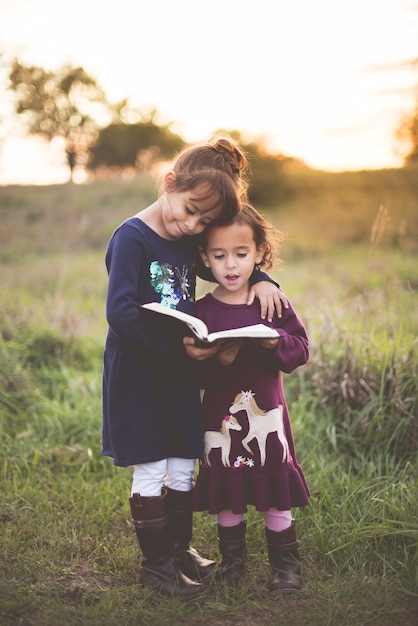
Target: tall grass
[68,551]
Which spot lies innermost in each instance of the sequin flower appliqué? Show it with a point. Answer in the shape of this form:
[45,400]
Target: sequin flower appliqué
[171,283]
[242,461]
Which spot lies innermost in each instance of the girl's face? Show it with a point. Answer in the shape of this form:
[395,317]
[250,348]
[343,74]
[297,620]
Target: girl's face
[231,254]
[188,212]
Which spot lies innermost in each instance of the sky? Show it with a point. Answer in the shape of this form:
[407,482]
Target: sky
[328,82]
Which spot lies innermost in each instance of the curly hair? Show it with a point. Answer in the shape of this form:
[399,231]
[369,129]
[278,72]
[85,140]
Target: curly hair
[265,233]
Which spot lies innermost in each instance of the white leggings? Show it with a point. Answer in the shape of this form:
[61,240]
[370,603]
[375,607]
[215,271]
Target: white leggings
[274,520]
[149,478]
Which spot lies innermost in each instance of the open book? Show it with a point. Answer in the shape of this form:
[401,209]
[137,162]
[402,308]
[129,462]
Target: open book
[200,330]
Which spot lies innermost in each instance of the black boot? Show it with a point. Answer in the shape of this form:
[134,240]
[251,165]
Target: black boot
[233,548]
[284,559]
[159,569]
[180,513]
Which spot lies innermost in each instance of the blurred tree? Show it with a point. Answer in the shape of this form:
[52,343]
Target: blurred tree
[64,104]
[408,132]
[138,145]
[268,178]
[5,109]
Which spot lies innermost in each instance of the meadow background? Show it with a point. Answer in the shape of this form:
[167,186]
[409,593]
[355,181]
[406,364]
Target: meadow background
[68,554]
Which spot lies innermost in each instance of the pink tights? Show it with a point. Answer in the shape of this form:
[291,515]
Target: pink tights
[274,520]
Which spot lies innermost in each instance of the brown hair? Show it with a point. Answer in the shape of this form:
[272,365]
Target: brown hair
[265,234]
[220,163]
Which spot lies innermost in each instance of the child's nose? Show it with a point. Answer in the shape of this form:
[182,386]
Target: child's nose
[192,223]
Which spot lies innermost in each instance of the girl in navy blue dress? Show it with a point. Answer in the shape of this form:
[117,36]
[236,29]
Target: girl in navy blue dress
[152,417]
[249,454]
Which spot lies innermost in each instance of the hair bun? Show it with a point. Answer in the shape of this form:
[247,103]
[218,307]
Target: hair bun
[232,153]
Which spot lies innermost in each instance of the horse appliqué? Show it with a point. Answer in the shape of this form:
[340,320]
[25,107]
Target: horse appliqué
[261,424]
[221,439]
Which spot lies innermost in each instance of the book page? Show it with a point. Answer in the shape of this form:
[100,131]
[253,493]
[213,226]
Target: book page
[200,330]
[256,331]
[197,326]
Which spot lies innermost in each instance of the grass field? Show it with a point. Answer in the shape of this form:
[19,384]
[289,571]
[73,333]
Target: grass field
[68,554]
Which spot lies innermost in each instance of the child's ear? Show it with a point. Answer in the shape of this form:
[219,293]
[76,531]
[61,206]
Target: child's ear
[169,180]
[261,250]
[204,256]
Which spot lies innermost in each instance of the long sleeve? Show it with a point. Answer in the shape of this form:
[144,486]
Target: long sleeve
[128,271]
[291,352]
[293,347]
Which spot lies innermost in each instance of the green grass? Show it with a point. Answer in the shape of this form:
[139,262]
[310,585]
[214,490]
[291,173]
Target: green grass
[68,552]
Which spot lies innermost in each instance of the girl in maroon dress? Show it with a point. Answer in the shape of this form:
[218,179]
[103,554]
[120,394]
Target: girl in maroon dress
[249,453]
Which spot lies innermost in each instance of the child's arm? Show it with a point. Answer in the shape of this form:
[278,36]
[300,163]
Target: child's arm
[228,351]
[225,351]
[269,344]
[292,349]
[270,296]
[200,354]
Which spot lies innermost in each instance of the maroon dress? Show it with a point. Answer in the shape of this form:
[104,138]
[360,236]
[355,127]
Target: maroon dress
[249,455]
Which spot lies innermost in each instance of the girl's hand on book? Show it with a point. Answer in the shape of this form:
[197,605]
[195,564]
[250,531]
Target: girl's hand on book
[200,354]
[228,351]
[269,344]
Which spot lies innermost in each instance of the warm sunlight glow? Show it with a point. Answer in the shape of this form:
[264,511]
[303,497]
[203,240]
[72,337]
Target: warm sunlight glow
[326,82]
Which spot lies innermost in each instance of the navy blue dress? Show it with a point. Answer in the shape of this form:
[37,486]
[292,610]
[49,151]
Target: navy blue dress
[151,401]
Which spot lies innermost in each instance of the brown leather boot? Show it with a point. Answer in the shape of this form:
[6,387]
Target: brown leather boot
[159,569]
[284,559]
[180,514]
[233,548]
